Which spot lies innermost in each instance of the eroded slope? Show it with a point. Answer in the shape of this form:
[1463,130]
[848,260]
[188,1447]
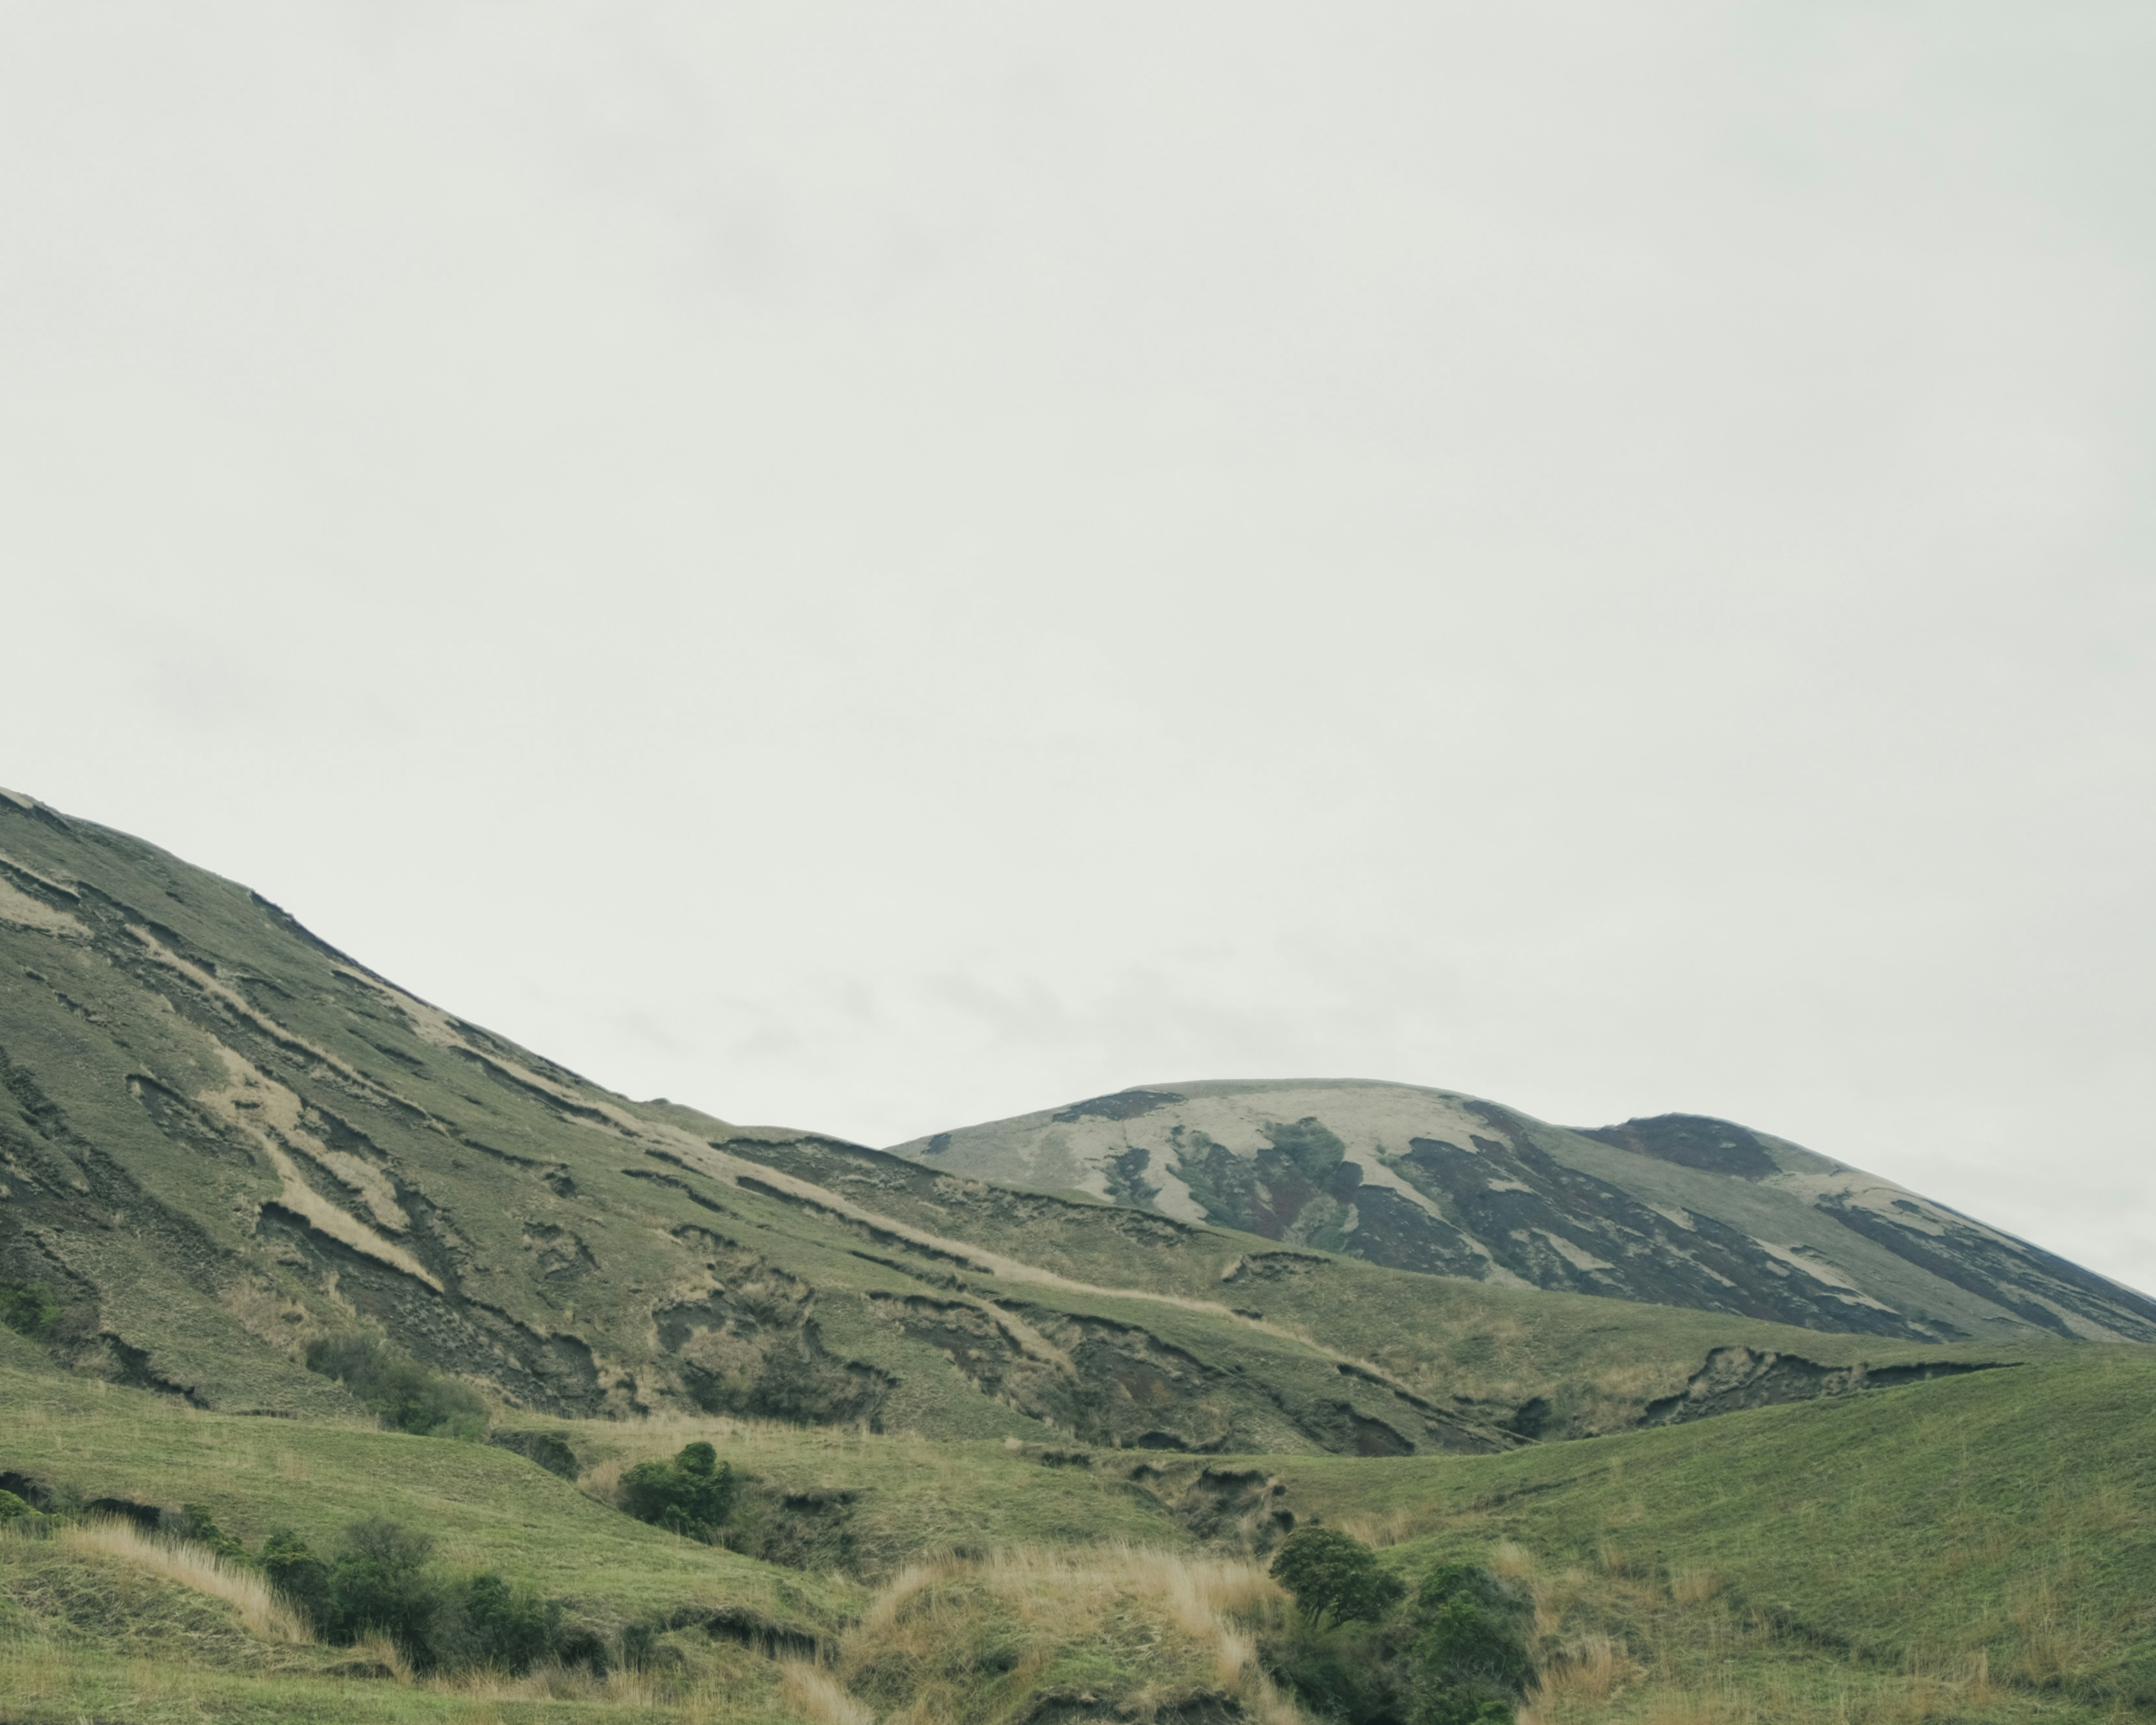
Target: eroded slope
[1680,1210]
[219,1137]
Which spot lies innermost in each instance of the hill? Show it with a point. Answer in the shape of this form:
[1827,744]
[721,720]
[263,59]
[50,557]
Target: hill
[1678,1209]
[221,1139]
[1981,1550]
[1002,1455]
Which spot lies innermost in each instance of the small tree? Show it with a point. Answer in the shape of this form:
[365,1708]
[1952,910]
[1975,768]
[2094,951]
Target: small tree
[1334,1577]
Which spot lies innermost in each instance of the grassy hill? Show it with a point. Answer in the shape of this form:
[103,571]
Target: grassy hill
[996,1454]
[221,1139]
[1978,1549]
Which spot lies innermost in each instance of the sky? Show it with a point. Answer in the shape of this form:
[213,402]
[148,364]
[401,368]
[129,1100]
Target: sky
[878,568]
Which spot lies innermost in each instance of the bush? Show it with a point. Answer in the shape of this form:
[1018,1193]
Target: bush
[12,1507]
[403,1394]
[1334,1576]
[301,1576]
[383,1582]
[506,1625]
[1470,1659]
[1363,1652]
[1341,1673]
[26,1309]
[546,1448]
[692,1495]
[197,1526]
[380,1583]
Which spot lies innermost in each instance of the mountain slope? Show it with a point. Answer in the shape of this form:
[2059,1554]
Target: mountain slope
[220,1137]
[1679,1210]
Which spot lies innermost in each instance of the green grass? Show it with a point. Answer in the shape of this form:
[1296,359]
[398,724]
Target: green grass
[160,1021]
[1981,1548]
[46,1684]
[486,1507]
[1978,1548]
[1895,1544]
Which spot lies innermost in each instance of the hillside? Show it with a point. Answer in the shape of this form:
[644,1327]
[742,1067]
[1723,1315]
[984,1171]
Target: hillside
[222,1138]
[1678,1209]
[1980,1550]
[1006,1453]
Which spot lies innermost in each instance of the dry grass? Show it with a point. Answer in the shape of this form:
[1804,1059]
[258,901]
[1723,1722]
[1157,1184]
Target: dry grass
[193,1566]
[1586,1672]
[555,1682]
[1380,1531]
[1510,1562]
[1680,1708]
[377,1648]
[816,1696]
[1694,1587]
[1143,1627]
[1612,1645]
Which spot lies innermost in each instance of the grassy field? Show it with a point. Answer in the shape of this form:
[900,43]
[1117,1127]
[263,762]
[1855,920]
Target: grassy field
[1984,1547]
[1978,1548]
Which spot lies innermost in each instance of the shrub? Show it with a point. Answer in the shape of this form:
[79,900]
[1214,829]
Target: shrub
[1471,1647]
[301,1576]
[26,1309]
[380,1584]
[582,1647]
[198,1526]
[506,1625]
[405,1395]
[12,1508]
[384,1582]
[692,1495]
[1341,1672]
[1334,1576]
[546,1448]
[1361,1652]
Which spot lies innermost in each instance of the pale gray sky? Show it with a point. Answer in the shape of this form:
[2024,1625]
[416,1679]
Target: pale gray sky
[877,567]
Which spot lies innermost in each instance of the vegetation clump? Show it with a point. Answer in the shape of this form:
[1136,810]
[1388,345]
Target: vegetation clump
[693,1495]
[548,1448]
[1363,1650]
[27,1309]
[384,1582]
[1334,1578]
[405,1395]
[196,1525]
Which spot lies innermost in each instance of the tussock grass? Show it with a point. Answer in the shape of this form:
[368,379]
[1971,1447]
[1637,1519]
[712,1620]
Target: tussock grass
[1612,1647]
[1115,1629]
[195,1567]
[816,1696]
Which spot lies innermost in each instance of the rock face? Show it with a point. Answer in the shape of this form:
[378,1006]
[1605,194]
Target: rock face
[1680,1210]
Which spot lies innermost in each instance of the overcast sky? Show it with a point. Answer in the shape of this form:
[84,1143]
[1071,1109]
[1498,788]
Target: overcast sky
[878,567]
